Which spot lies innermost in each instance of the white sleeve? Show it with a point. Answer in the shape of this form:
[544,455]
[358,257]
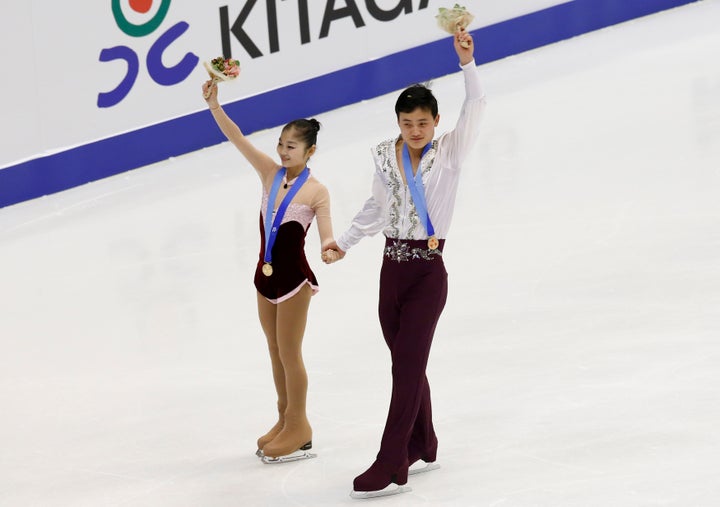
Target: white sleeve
[370,219]
[460,140]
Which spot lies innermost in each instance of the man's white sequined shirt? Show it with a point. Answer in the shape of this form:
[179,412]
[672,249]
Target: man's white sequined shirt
[390,209]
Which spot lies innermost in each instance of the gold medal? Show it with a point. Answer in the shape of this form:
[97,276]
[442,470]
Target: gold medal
[267,269]
[433,243]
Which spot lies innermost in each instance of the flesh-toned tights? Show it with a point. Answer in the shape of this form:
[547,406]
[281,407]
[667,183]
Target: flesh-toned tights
[284,326]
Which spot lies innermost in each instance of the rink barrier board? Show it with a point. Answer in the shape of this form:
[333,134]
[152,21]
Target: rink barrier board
[83,164]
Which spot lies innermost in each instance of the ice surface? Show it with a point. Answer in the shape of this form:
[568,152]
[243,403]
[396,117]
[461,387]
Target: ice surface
[576,363]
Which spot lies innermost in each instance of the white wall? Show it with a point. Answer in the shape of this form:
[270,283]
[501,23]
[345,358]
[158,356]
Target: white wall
[56,132]
[49,94]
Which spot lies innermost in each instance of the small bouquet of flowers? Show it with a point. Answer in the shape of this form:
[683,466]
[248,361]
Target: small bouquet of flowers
[452,19]
[222,69]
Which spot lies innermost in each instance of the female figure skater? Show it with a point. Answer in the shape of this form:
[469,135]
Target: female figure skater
[283,278]
[413,196]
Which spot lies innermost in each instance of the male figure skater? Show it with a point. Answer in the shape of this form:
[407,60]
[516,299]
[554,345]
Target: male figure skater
[413,196]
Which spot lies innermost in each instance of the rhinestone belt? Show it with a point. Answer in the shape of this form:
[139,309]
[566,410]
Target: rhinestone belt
[408,250]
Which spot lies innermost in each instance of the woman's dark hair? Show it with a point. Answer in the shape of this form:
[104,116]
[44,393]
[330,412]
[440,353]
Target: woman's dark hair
[416,96]
[307,130]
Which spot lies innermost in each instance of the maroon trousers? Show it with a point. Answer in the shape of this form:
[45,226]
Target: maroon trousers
[413,291]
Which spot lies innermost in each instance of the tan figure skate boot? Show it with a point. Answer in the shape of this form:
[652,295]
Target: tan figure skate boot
[295,439]
[274,431]
[292,443]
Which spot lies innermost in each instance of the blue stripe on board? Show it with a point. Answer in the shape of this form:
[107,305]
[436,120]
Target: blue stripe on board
[67,169]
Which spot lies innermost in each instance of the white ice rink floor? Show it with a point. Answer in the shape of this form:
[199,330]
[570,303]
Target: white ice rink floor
[577,362]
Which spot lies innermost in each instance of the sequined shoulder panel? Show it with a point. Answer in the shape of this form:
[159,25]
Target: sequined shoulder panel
[387,165]
[429,158]
[301,213]
[386,160]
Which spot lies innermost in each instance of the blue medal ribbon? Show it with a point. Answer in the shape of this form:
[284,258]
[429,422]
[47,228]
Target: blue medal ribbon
[417,189]
[272,224]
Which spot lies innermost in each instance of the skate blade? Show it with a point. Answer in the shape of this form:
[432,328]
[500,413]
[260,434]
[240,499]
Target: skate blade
[429,467]
[259,453]
[392,489]
[288,458]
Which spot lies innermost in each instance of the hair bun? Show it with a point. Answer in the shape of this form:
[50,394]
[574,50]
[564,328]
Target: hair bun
[314,124]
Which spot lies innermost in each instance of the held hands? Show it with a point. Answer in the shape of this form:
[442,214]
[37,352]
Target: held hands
[464,46]
[332,253]
[330,256]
